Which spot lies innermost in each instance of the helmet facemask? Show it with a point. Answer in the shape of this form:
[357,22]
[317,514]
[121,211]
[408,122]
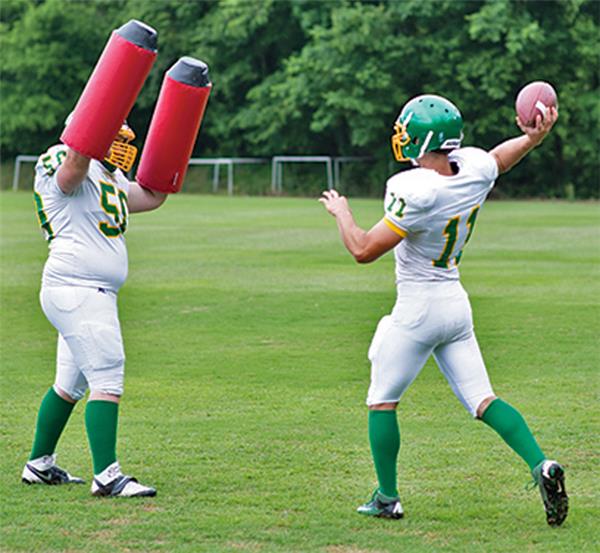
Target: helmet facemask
[122,154]
[400,139]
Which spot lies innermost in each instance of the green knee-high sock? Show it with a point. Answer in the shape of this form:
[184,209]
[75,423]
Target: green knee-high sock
[513,429]
[52,418]
[384,436]
[101,424]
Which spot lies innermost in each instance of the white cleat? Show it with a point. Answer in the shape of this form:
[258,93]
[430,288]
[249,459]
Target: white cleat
[112,482]
[44,470]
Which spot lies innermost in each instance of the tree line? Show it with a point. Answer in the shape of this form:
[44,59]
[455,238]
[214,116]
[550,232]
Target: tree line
[308,77]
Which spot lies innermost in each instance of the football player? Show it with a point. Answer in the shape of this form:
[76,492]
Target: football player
[83,207]
[429,217]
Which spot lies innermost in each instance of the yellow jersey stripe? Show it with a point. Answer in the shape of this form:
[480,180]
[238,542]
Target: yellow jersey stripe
[396,229]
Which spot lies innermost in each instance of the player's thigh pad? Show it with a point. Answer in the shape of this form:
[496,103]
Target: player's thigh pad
[87,319]
[396,359]
[68,376]
[462,364]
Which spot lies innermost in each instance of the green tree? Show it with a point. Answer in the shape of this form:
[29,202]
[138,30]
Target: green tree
[310,77]
[341,92]
[48,54]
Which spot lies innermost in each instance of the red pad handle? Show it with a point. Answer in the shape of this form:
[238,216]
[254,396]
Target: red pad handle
[174,126]
[111,90]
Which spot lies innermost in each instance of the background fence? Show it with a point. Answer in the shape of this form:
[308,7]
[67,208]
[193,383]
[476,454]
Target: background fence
[299,182]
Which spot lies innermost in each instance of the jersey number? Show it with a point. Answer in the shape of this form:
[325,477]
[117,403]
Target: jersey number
[396,206]
[51,162]
[117,210]
[451,233]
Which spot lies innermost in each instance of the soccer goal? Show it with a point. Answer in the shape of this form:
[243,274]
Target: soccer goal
[332,168]
[277,169]
[19,160]
[229,163]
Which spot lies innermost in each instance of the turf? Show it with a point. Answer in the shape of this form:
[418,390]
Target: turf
[246,327]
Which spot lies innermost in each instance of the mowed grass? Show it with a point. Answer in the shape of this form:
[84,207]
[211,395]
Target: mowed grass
[246,327]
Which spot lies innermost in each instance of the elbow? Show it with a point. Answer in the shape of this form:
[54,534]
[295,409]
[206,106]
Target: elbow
[364,257]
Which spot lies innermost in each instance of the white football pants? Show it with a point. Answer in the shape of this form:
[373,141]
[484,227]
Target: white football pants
[90,348]
[428,318]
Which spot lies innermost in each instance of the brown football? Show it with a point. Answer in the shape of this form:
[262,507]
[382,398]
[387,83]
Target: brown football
[533,100]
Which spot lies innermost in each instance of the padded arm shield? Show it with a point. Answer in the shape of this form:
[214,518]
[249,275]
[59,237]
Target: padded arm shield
[174,126]
[111,90]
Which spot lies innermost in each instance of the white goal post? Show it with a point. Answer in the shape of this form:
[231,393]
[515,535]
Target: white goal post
[229,162]
[332,168]
[17,172]
[277,169]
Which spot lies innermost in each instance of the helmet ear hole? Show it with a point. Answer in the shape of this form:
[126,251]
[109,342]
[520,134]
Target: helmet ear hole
[416,141]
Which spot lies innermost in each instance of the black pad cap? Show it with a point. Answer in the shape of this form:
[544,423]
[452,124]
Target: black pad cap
[190,71]
[140,34]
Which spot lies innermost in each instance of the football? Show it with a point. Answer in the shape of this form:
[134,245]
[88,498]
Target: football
[533,100]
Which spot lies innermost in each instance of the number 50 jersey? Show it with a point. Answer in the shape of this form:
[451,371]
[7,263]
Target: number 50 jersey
[436,214]
[84,229]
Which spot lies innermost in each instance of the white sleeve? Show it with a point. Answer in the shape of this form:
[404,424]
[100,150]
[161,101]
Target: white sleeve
[407,202]
[489,166]
[482,163]
[45,171]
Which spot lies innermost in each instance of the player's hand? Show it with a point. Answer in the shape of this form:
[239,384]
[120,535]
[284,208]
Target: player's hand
[334,203]
[542,127]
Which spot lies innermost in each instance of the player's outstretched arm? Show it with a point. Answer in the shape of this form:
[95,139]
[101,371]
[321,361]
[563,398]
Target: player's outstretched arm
[365,246]
[143,199]
[510,152]
[72,171]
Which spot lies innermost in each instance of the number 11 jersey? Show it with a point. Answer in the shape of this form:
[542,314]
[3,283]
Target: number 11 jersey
[436,214]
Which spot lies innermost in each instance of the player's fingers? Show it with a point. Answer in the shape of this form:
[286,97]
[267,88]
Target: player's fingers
[549,119]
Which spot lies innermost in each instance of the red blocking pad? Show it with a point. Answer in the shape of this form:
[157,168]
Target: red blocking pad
[111,90]
[174,126]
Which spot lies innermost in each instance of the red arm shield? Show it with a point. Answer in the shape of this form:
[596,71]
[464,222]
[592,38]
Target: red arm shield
[174,126]
[111,90]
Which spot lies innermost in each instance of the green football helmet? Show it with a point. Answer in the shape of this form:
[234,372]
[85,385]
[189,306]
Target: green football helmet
[426,123]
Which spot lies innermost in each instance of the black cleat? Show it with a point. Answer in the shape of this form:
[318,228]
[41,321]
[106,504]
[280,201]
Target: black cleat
[550,478]
[45,471]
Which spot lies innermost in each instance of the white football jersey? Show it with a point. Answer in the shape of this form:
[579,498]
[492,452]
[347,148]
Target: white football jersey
[84,229]
[436,214]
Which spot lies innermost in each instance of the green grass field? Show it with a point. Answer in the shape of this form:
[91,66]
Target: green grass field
[246,328]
